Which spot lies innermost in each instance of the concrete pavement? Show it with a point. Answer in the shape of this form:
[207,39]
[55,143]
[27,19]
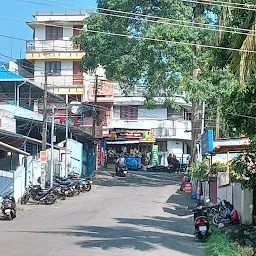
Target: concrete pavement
[142,214]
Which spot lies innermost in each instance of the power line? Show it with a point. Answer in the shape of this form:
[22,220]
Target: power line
[232,3]
[146,38]
[220,4]
[250,117]
[139,14]
[191,25]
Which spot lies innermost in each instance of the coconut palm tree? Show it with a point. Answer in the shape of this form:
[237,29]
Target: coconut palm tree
[242,63]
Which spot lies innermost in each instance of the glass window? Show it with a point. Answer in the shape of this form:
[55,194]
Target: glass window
[53,67]
[53,33]
[129,112]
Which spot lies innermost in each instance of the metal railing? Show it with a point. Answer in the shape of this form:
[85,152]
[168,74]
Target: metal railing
[59,80]
[51,46]
[164,132]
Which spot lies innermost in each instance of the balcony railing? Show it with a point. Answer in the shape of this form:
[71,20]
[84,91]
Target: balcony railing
[51,46]
[58,81]
[164,132]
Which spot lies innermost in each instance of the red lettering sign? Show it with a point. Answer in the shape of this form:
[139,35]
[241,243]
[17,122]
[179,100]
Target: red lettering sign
[188,187]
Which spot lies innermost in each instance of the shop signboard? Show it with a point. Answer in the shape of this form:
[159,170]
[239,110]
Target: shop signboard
[43,157]
[188,187]
[143,135]
[155,155]
[207,142]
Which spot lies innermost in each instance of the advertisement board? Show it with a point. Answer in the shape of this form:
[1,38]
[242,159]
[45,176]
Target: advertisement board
[207,142]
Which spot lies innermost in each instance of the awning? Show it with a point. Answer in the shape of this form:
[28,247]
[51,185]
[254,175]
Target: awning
[230,148]
[6,134]
[122,142]
[9,148]
[147,141]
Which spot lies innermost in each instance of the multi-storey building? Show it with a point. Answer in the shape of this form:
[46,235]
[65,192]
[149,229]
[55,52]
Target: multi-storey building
[57,61]
[170,128]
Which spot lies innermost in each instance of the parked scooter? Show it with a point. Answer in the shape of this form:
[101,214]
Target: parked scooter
[121,171]
[9,208]
[201,222]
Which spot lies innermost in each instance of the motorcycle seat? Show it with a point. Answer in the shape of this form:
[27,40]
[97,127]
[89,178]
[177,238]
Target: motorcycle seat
[66,183]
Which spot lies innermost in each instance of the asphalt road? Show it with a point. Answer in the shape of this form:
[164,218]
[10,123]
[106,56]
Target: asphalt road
[142,214]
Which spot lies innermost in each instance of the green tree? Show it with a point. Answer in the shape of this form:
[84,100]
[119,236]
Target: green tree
[243,64]
[164,67]
[239,108]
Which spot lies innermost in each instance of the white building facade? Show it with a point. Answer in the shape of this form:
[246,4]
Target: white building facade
[53,51]
[171,128]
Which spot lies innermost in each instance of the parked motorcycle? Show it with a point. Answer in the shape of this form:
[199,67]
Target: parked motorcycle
[60,191]
[121,171]
[70,187]
[8,207]
[218,211]
[87,184]
[44,196]
[201,222]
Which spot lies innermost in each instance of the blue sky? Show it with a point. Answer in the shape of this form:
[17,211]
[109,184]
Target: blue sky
[23,11]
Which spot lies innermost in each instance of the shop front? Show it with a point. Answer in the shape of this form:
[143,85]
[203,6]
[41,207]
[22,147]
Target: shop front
[129,142]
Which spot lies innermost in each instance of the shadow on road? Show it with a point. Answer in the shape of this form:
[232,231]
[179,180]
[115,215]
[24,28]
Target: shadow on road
[124,237]
[144,234]
[137,179]
[181,204]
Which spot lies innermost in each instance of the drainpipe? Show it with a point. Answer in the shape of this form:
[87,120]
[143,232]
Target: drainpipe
[18,92]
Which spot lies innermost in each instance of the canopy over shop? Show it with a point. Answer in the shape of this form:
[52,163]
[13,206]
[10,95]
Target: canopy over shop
[129,142]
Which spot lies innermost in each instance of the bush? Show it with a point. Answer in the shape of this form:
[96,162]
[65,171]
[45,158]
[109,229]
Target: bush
[243,169]
[218,167]
[200,170]
[220,244]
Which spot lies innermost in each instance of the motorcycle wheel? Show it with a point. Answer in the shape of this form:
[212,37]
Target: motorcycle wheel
[202,237]
[87,187]
[9,217]
[50,199]
[213,212]
[24,199]
[63,197]
[216,219]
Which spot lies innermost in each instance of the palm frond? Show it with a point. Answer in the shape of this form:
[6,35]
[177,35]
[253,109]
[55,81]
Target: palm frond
[244,63]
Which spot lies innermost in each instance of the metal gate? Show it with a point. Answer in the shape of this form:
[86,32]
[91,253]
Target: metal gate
[6,181]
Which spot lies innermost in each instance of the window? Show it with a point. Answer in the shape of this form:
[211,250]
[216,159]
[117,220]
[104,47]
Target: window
[173,114]
[162,146]
[187,115]
[129,112]
[53,33]
[53,68]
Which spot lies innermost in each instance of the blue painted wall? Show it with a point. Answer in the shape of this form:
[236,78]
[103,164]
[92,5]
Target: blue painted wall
[76,157]
[90,160]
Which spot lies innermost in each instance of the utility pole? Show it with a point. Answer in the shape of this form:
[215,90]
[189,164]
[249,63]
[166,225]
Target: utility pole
[44,128]
[52,147]
[66,149]
[217,133]
[94,122]
[44,131]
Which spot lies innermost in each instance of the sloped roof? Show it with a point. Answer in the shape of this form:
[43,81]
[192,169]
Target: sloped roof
[7,75]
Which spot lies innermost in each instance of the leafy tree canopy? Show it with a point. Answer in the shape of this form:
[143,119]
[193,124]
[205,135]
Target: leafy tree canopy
[163,67]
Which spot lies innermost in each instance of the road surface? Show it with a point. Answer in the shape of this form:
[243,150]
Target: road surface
[142,214]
